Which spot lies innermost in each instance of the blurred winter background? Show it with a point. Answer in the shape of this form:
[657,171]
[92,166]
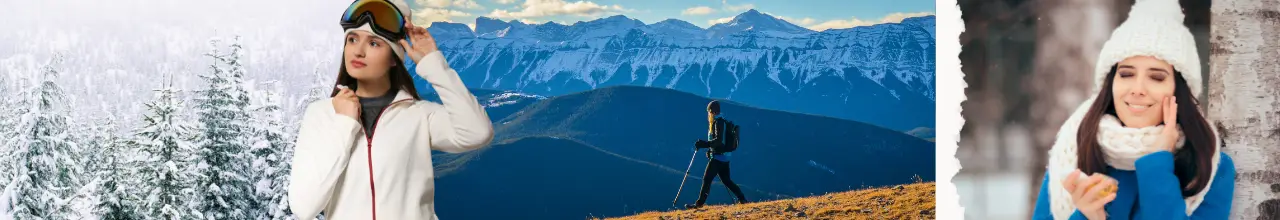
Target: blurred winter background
[1028,63]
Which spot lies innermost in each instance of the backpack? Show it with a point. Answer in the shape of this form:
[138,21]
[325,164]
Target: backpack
[730,137]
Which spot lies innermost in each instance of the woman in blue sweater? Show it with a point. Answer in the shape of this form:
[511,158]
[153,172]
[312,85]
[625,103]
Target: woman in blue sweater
[1140,148]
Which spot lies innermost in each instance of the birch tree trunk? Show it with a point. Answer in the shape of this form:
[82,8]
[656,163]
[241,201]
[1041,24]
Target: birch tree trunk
[1244,100]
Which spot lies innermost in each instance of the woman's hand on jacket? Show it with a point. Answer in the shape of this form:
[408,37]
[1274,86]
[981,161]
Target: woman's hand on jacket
[346,103]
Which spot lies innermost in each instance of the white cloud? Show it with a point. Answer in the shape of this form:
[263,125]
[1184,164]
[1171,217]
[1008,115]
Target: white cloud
[720,20]
[544,8]
[434,3]
[855,22]
[619,8]
[439,10]
[897,17]
[798,21]
[467,4]
[700,10]
[505,2]
[736,8]
[424,16]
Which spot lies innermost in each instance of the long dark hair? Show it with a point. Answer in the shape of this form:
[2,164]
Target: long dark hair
[1192,164]
[398,74]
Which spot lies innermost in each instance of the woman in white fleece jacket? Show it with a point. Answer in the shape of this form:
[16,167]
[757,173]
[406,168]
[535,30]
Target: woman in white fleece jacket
[365,153]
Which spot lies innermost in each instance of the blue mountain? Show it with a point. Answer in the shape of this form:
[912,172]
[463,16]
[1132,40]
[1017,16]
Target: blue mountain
[881,74]
[621,150]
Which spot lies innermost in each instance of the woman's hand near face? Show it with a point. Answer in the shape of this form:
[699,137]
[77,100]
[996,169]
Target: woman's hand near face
[1169,135]
[346,103]
[423,43]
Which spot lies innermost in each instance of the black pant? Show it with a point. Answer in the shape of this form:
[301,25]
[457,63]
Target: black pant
[718,168]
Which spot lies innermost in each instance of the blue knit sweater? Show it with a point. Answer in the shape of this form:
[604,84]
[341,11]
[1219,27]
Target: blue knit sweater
[1151,191]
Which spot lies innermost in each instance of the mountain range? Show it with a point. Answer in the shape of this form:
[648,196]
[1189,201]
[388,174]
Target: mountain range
[881,74]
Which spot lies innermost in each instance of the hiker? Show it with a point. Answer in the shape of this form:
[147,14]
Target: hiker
[1140,148]
[365,153]
[717,156]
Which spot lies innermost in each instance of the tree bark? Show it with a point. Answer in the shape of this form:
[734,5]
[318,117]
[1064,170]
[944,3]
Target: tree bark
[1244,101]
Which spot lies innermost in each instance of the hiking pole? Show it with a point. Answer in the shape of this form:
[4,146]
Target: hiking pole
[686,177]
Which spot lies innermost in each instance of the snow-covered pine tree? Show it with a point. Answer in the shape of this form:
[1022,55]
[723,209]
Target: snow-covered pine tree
[111,175]
[320,87]
[130,163]
[8,104]
[224,187]
[8,196]
[7,170]
[93,200]
[162,142]
[87,135]
[94,135]
[45,160]
[270,164]
[83,205]
[91,134]
[286,162]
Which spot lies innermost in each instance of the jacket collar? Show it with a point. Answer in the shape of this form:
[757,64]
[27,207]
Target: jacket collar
[401,95]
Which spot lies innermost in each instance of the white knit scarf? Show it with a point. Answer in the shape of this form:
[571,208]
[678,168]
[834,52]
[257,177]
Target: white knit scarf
[1121,147]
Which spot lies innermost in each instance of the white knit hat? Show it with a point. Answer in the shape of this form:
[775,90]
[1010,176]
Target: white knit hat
[1154,28]
[395,46]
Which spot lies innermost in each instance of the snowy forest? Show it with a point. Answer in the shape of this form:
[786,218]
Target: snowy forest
[219,151]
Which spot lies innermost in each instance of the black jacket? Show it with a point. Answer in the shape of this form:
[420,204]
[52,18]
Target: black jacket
[715,140]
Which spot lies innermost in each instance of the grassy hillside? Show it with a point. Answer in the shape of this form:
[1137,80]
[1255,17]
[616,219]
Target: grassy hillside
[910,201]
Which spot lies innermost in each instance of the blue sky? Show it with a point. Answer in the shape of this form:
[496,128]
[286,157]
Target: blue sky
[813,14]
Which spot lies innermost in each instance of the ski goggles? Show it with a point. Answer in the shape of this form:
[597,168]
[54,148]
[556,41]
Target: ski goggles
[381,15]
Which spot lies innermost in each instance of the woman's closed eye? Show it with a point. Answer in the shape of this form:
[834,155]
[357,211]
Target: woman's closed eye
[1159,76]
[1126,74]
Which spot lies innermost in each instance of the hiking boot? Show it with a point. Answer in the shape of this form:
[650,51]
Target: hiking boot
[692,206]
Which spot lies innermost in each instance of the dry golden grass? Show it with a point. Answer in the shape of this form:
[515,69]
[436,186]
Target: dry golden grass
[910,201]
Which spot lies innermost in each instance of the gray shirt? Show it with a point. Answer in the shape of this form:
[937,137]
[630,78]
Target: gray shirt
[371,108]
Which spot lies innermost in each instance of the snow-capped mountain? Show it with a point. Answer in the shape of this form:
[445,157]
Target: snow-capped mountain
[675,28]
[881,74]
[485,27]
[753,20]
[604,27]
[451,30]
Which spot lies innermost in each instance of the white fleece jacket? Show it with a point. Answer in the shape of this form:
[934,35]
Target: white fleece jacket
[390,176]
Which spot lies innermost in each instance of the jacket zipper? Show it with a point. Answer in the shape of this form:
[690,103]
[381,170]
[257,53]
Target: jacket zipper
[369,158]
